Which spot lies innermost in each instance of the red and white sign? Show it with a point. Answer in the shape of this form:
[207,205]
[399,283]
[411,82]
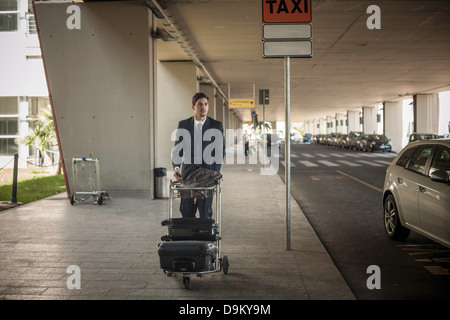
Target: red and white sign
[286,11]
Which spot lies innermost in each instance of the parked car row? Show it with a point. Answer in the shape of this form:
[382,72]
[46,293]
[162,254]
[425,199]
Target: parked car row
[426,136]
[354,140]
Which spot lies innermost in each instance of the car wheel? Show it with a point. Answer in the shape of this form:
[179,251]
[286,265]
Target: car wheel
[392,224]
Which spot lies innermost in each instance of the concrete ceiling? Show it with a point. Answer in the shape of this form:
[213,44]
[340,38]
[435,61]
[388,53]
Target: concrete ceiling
[351,66]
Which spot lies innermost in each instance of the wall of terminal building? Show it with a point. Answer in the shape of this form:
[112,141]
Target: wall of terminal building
[176,84]
[101,88]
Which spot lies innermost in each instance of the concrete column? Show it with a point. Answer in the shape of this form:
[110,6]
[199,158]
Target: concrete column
[330,125]
[353,118]
[219,109]
[308,126]
[341,127]
[380,112]
[210,91]
[316,126]
[100,80]
[177,83]
[444,112]
[426,113]
[323,125]
[369,120]
[393,124]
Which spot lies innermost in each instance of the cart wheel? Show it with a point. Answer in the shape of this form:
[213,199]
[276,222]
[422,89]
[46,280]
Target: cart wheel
[72,200]
[186,282]
[100,200]
[225,264]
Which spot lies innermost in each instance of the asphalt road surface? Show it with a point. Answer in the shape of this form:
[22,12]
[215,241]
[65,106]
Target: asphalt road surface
[340,193]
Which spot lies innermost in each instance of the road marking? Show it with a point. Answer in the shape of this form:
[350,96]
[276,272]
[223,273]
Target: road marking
[351,164]
[369,155]
[359,180]
[384,162]
[352,154]
[337,155]
[307,155]
[370,163]
[325,177]
[437,270]
[425,250]
[322,155]
[284,164]
[328,163]
[308,163]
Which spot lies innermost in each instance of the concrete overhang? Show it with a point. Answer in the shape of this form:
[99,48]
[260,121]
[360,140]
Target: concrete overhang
[352,66]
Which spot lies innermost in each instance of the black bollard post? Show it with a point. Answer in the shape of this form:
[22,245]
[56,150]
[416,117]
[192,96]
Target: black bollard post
[14,187]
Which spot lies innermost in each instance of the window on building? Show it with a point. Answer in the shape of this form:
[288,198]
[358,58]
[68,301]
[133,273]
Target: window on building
[9,126]
[8,105]
[8,147]
[9,15]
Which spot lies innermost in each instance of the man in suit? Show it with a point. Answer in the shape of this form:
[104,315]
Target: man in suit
[199,143]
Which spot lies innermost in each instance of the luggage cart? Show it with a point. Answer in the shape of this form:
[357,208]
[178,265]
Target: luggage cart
[220,263]
[86,177]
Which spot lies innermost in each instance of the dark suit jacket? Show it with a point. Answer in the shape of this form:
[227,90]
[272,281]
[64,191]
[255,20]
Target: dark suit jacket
[188,124]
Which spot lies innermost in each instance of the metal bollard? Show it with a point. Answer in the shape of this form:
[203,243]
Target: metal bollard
[14,186]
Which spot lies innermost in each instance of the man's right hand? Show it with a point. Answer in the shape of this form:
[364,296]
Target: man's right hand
[177,174]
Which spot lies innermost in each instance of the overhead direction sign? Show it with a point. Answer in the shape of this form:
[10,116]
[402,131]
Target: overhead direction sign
[241,103]
[286,11]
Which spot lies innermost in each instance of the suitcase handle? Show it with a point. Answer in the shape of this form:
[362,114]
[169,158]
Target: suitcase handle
[183,265]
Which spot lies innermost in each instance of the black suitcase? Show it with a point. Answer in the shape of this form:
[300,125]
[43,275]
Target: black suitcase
[190,229]
[187,256]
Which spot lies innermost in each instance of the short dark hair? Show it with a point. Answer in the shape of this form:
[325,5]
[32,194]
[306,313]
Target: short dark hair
[197,96]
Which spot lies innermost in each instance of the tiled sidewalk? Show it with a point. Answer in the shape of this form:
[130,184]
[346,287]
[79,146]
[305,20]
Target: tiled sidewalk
[115,247]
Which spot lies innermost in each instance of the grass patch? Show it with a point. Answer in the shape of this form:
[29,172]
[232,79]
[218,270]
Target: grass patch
[34,189]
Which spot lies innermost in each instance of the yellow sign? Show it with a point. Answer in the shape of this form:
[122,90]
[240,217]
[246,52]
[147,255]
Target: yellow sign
[241,103]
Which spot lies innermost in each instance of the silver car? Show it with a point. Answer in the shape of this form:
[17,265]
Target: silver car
[416,193]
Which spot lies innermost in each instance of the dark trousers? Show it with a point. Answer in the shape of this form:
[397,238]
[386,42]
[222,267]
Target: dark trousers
[188,207]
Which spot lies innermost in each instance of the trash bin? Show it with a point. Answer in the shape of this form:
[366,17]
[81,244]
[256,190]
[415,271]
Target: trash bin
[161,190]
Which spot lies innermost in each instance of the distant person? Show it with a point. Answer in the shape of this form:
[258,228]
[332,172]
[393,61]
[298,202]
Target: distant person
[246,142]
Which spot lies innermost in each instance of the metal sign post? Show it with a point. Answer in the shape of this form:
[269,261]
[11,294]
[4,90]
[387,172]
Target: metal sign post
[287,33]
[287,151]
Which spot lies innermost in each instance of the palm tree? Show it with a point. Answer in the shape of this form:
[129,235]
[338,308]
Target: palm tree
[43,136]
[262,126]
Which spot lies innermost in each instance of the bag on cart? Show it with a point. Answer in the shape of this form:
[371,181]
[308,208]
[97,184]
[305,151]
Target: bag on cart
[190,229]
[200,178]
[187,256]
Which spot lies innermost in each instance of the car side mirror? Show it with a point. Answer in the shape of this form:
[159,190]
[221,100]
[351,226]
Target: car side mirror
[439,176]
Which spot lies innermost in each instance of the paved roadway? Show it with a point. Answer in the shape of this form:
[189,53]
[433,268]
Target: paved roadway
[340,193]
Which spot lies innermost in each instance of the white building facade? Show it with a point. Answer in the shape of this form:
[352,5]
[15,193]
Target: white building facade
[23,87]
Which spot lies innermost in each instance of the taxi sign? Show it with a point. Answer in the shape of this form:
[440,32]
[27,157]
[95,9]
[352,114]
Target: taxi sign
[286,11]
[241,103]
